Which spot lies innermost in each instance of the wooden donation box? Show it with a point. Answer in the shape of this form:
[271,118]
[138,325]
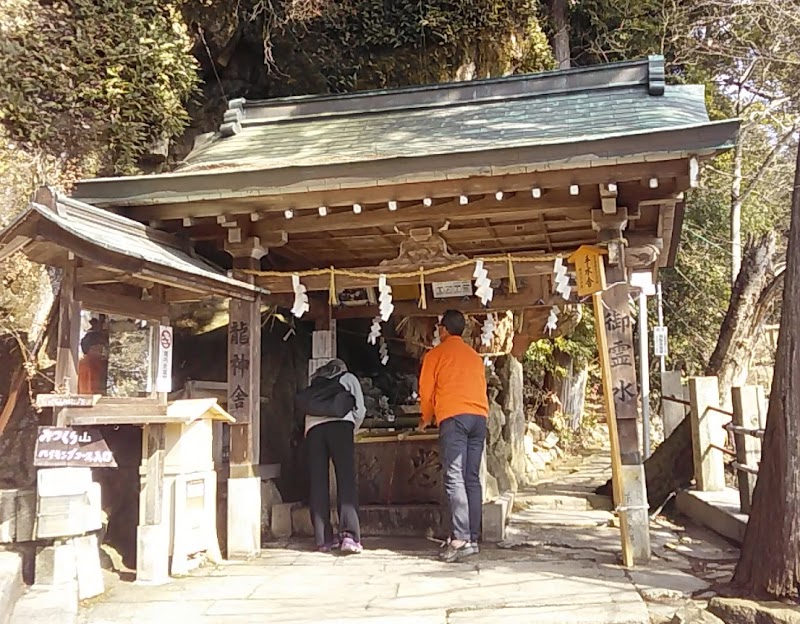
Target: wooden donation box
[188,494]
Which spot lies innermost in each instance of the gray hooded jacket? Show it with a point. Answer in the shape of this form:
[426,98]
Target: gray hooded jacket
[350,382]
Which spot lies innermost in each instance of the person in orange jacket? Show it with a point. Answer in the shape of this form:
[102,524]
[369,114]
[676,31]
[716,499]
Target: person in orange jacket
[93,366]
[452,389]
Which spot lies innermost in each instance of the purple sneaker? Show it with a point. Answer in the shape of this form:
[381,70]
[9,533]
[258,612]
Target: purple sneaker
[350,546]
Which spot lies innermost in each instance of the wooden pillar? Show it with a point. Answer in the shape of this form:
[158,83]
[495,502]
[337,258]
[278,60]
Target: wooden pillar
[633,508]
[69,335]
[672,413]
[244,404]
[748,404]
[152,536]
[707,434]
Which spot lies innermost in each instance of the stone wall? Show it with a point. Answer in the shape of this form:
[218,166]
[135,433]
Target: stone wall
[516,451]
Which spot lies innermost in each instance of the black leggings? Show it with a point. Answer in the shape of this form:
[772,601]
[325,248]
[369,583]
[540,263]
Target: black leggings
[333,440]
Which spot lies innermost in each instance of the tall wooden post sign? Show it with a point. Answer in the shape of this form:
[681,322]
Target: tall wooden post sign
[615,347]
[244,404]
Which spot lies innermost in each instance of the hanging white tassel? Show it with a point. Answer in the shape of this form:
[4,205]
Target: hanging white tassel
[561,278]
[483,285]
[552,320]
[300,306]
[374,331]
[487,331]
[385,304]
[384,352]
[437,339]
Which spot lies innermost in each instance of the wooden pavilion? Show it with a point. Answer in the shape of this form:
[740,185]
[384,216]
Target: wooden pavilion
[419,183]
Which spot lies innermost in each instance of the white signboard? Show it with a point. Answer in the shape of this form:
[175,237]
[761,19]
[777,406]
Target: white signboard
[445,290]
[164,372]
[660,341]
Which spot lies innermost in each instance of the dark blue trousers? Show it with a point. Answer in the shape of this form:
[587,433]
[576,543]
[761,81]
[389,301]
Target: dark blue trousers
[461,439]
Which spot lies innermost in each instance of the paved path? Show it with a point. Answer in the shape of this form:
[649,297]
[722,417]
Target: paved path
[558,565]
[392,581]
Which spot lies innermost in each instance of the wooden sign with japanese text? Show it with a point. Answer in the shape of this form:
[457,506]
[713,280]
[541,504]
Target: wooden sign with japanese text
[65,447]
[589,271]
[66,400]
[244,376]
[619,329]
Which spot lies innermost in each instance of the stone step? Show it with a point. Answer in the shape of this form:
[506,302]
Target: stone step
[47,604]
[582,502]
[560,518]
[384,521]
[11,585]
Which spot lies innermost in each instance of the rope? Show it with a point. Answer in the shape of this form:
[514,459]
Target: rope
[423,301]
[512,279]
[332,288]
[510,260]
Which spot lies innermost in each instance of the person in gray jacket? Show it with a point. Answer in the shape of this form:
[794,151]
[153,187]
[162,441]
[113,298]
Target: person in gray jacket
[330,438]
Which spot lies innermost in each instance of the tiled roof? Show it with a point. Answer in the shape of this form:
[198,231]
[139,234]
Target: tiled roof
[123,237]
[555,118]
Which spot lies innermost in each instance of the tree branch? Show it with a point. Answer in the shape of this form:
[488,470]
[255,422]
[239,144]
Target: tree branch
[762,170]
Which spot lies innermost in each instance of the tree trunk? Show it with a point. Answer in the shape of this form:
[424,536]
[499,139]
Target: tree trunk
[736,212]
[559,18]
[571,389]
[770,560]
[731,358]
[670,466]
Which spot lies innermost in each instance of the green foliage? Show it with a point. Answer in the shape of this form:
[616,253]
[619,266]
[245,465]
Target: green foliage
[95,79]
[326,46]
[543,355]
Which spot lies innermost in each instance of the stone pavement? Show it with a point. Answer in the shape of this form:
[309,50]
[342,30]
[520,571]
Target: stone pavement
[559,564]
[392,581]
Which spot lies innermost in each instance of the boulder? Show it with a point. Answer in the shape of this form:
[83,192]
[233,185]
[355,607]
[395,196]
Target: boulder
[737,611]
[692,614]
[270,496]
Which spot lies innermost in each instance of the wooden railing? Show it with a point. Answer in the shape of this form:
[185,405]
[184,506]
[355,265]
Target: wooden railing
[717,432]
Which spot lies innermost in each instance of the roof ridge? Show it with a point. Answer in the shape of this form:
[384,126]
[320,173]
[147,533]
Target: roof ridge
[647,73]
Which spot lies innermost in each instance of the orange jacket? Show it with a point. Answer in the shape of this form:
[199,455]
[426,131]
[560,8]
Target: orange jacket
[452,382]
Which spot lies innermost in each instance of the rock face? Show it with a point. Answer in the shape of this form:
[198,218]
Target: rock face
[509,370]
[498,450]
[735,611]
[515,454]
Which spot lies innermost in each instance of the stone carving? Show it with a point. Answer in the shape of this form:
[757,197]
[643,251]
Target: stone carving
[642,251]
[426,468]
[421,247]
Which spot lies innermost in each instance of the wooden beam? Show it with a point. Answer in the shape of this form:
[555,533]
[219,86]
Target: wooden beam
[179,295]
[413,191]
[86,275]
[122,305]
[377,216]
[477,240]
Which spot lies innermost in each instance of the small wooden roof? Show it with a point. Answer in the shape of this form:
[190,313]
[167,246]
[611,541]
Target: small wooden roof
[184,411]
[55,229]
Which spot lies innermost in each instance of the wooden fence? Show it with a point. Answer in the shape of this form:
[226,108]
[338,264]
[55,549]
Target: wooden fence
[718,432]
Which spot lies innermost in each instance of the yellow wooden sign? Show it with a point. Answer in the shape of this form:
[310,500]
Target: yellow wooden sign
[589,270]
